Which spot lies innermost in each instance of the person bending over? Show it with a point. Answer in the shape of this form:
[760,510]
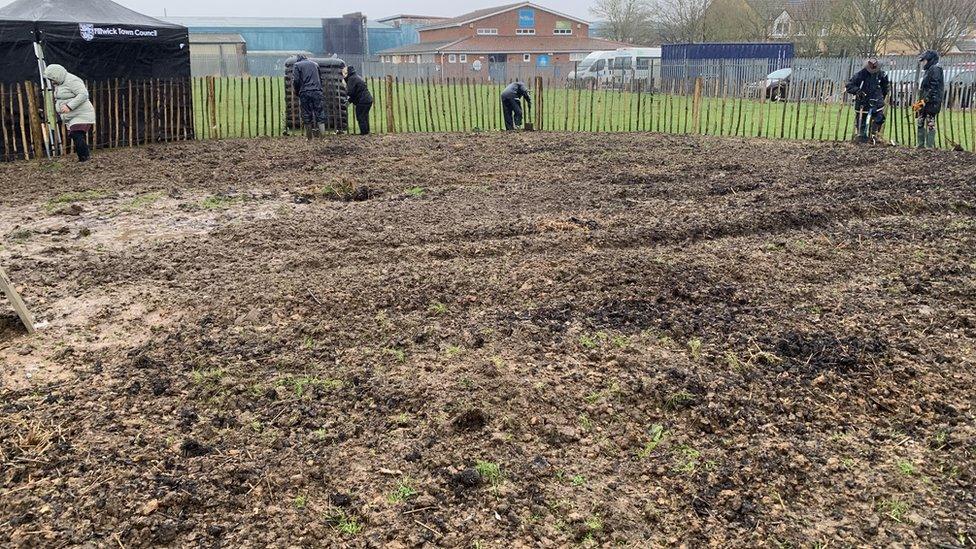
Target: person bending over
[359,96]
[511,105]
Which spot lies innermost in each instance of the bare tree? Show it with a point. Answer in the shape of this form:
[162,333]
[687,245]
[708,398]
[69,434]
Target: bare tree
[937,24]
[813,22]
[682,20]
[625,20]
[764,15]
[865,26]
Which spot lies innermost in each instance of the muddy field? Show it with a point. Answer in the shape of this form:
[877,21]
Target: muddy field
[483,341]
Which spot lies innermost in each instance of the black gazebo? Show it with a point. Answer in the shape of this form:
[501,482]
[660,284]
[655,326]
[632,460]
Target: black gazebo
[94,39]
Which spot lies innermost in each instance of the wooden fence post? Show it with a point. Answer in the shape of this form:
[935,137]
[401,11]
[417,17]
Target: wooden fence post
[539,103]
[696,105]
[34,115]
[390,122]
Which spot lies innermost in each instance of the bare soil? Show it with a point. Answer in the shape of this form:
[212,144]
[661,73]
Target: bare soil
[535,340]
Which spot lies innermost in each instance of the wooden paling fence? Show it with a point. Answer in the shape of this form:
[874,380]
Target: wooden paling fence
[134,113]
[128,113]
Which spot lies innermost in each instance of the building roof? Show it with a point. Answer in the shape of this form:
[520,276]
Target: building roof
[510,44]
[409,16]
[477,15]
[216,38]
[248,22]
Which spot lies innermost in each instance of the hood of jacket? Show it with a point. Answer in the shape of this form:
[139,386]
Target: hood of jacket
[56,73]
[930,58]
[872,66]
[350,71]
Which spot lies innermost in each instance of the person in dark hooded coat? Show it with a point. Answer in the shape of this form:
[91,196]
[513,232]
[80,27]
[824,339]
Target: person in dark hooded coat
[870,88]
[359,96]
[511,107]
[929,103]
[307,82]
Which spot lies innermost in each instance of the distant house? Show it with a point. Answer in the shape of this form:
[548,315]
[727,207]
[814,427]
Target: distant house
[522,33]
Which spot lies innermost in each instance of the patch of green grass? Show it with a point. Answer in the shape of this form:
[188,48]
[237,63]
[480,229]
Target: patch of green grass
[300,501]
[207,376]
[403,491]
[344,523]
[398,354]
[341,190]
[686,459]
[906,468]
[695,346]
[50,166]
[894,509]
[321,433]
[301,385]
[657,435]
[678,399]
[453,351]
[219,202]
[585,422]
[437,308]
[257,426]
[490,472]
[414,191]
[72,197]
[142,201]
[620,342]
[578,480]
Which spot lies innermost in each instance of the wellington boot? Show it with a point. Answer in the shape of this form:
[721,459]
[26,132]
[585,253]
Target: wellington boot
[309,133]
[321,130]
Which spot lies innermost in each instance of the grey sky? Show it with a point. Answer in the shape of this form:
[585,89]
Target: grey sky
[317,8]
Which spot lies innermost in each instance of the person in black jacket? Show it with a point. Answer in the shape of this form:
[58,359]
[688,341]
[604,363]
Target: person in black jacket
[308,85]
[929,104]
[511,105]
[359,96]
[870,88]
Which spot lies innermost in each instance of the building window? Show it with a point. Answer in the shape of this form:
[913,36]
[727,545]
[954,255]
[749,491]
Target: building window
[452,58]
[524,31]
[526,58]
[463,58]
[487,32]
[562,31]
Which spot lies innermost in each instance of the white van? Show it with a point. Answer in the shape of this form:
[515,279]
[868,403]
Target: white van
[616,68]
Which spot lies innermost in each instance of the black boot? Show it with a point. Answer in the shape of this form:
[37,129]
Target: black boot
[309,133]
[81,146]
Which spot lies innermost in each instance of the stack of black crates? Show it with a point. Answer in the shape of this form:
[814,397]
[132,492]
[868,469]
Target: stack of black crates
[336,101]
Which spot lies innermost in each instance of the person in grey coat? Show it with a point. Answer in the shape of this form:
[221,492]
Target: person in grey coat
[73,106]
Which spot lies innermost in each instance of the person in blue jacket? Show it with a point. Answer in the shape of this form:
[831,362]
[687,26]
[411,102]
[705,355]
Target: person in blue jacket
[870,88]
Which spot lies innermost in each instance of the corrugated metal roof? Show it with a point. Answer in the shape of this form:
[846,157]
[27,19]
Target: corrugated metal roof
[216,38]
[251,22]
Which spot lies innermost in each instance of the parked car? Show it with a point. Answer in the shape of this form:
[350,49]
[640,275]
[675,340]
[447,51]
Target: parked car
[813,83]
[775,86]
[616,68]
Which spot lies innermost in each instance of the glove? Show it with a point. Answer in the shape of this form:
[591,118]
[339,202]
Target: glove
[918,106]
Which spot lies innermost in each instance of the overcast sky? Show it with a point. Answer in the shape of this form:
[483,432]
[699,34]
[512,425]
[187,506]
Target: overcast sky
[317,8]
